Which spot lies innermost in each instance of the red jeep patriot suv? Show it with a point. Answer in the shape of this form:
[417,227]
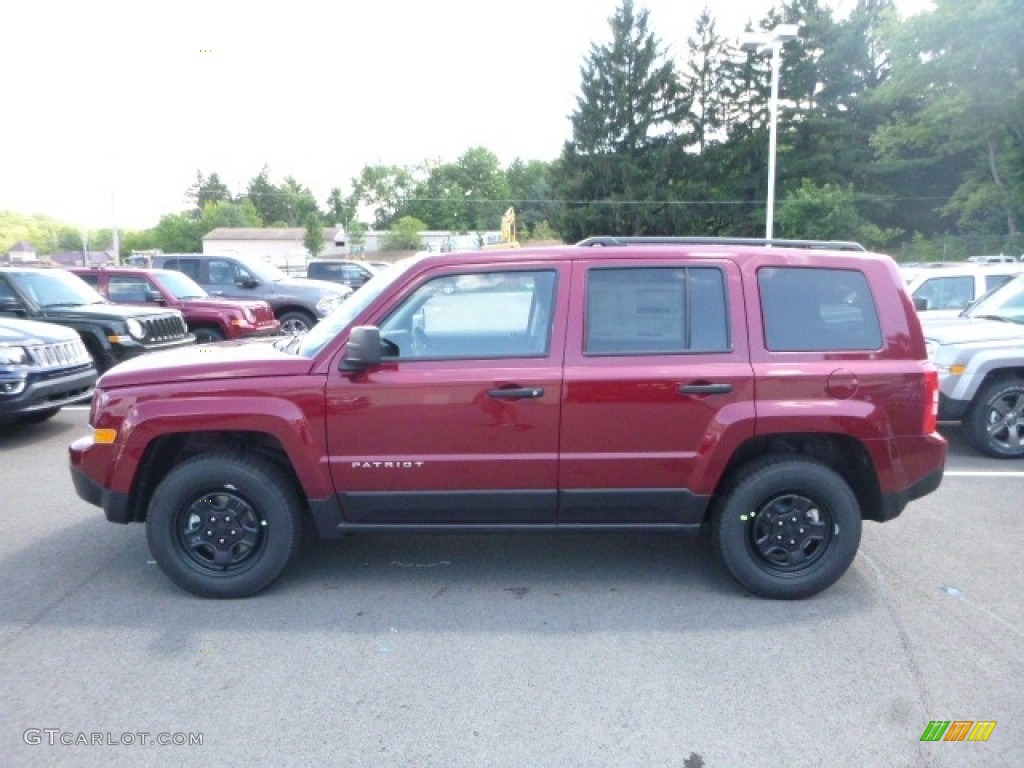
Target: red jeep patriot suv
[778,393]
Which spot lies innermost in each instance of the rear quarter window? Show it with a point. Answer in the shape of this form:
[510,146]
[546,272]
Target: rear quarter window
[812,309]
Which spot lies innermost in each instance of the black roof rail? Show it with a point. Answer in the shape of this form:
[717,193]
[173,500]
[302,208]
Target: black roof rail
[832,245]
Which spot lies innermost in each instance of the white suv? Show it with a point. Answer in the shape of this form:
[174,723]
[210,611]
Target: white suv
[945,291]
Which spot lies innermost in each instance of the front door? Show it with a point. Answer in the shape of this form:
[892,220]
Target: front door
[459,424]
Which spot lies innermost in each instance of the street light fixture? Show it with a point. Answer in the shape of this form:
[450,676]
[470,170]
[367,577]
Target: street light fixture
[771,40]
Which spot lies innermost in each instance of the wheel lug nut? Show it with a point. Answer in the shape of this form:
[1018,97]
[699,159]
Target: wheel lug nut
[779,538]
[794,519]
[222,541]
[801,530]
[792,543]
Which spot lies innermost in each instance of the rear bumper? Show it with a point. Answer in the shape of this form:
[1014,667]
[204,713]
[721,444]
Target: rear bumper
[893,504]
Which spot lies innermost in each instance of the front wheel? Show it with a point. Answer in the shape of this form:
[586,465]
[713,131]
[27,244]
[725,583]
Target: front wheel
[787,528]
[995,423]
[294,323]
[38,417]
[221,525]
[208,335]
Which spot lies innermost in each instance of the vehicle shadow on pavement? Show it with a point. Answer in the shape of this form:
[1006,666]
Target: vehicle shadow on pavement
[93,574]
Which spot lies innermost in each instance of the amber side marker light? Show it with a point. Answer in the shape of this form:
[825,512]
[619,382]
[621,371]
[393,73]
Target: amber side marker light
[105,436]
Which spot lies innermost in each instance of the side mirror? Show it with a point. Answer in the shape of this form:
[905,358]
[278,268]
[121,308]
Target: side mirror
[155,296]
[920,303]
[362,349]
[10,304]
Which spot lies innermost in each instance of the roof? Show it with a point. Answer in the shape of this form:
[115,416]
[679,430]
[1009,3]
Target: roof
[22,247]
[265,233]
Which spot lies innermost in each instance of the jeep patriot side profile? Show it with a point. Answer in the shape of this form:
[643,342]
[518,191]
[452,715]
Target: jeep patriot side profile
[778,395]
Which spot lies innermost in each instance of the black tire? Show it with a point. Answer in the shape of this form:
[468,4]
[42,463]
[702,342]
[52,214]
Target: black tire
[296,322]
[814,522]
[995,422]
[243,552]
[208,335]
[38,417]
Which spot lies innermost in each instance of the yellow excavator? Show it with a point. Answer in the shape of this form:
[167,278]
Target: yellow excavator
[508,232]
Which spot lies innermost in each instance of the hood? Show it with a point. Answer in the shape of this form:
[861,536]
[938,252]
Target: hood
[971,330]
[318,286]
[227,360]
[105,312]
[212,302]
[30,332]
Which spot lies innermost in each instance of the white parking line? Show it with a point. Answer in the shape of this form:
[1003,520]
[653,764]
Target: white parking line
[981,473]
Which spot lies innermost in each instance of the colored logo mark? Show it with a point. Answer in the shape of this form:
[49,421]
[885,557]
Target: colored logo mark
[958,730]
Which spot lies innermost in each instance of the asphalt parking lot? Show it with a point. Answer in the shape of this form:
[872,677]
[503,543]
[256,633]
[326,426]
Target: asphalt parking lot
[518,651]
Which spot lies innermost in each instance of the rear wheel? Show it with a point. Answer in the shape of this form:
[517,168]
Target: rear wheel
[220,525]
[995,423]
[787,528]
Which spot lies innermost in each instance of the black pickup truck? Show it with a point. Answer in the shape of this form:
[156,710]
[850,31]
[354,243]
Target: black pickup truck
[111,332]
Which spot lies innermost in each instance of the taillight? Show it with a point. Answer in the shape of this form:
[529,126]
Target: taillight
[931,401]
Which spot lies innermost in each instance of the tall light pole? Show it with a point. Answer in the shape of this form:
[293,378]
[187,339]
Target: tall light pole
[772,40]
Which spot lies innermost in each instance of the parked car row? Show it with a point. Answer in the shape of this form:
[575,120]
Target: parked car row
[62,328]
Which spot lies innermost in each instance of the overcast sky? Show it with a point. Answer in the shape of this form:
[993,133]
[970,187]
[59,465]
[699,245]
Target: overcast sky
[110,107]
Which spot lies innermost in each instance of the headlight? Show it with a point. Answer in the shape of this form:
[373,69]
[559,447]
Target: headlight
[136,330]
[328,304]
[13,356]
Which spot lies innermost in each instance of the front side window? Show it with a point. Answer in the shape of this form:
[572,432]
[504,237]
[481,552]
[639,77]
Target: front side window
[474,315]
[656,310]
[807,309]
[225,272]
[946,292]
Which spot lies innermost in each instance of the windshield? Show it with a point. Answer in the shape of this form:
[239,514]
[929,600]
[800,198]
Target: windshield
[180,285]
[321,334]
[266,273]
[1004,303]
[56,288]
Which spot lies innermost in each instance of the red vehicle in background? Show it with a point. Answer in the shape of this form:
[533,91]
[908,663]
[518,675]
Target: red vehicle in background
[210,319]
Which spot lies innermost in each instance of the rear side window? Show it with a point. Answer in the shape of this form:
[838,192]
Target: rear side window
[807,309]
[656,310]
[189,266]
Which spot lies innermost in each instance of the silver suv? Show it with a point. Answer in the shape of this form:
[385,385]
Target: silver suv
[947,290]
[980,357]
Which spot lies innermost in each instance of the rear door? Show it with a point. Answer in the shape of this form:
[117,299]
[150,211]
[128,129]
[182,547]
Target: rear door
[459,425]
[658,389]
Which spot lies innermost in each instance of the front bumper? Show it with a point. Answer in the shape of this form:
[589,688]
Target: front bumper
[115,505]
[50,390]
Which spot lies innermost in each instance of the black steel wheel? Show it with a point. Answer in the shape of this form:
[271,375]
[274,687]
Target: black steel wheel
[787,527]
[995,423]
[221,525]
